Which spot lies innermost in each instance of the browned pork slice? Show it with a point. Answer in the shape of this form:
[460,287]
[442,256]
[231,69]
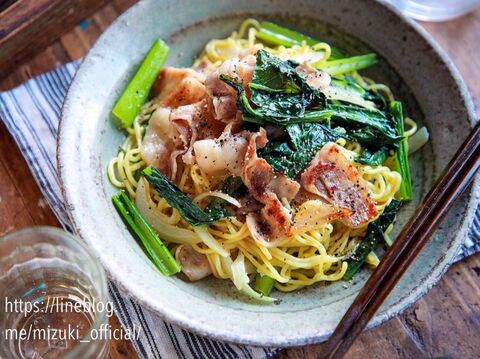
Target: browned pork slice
[194,265]
[267,187]
[248,204]
[179,86]
[222,97]
[314,213]
[333,177]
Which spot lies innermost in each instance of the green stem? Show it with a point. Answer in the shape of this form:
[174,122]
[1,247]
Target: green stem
[264,284]
[134,96]
[313,116]
[278,35]
[158,252]
[401,156]
[346,65]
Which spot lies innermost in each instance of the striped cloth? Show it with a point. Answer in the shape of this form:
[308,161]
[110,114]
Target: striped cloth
[31,112]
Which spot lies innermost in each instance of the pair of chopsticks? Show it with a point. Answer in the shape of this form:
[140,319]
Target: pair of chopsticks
[456,177]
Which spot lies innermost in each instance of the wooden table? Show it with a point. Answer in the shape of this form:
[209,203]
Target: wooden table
[444,323]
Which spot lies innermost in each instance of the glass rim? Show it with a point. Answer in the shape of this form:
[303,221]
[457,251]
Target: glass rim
[99,317]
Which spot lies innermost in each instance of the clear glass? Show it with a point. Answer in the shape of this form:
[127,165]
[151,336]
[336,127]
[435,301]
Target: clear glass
[53,297]
[435,10]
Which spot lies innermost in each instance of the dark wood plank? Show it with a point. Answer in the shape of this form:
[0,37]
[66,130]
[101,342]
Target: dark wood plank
[447,321]
[28,26]
[461,40]
[21,204]
[5,4]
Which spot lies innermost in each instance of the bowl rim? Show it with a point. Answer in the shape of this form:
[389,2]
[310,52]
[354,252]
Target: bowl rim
[211,331]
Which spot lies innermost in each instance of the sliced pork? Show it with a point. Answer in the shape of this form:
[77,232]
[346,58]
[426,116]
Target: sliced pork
[333,177]
[222,155]
[194,265]
[173,127]
[158,142]
[172,132]
[194,122]
[268,187]
[314,213]
[179,87]
[316,78]
[222,97]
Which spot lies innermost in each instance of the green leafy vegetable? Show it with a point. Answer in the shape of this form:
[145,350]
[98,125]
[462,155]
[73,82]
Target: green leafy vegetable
[134,96]
[279,90]
[348,81]
[218,206]
[347,90]
[268,114]
[375,233]
[372,158]
[158,252]
[272,74]
[291,156]
[346,65]
[278,35]
[179,200]
[369,127]
[401,156]
[264,284]
[279,94]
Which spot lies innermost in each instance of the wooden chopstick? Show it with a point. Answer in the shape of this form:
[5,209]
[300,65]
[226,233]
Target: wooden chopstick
[454,180]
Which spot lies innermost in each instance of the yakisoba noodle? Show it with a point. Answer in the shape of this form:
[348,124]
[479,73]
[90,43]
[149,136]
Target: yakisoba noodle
[294,262]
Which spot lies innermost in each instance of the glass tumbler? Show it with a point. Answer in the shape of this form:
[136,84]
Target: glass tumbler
[53,297]
[435,10]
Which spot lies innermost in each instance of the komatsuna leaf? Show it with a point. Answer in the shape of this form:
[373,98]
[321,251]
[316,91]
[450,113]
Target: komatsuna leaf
[269,113]
[272,74]
[375,233]
[279,90]
[279,93]
[189,211]
[291,156]
[369,127]
[372,158]
[218,206]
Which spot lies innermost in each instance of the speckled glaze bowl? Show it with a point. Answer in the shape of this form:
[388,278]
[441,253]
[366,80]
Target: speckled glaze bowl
[410,62]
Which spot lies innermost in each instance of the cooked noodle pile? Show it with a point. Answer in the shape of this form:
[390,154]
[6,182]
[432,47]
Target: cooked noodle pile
[297,261]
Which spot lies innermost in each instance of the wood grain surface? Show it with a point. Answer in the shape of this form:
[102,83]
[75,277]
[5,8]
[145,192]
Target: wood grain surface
[24,20]
[445,323]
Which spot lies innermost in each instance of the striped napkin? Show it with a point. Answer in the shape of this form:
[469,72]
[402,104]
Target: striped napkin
[31,113]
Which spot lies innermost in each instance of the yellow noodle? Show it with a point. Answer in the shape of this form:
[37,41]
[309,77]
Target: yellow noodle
[413,127]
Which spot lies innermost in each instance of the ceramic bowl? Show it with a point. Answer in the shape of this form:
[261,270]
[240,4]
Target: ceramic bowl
[411,63]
